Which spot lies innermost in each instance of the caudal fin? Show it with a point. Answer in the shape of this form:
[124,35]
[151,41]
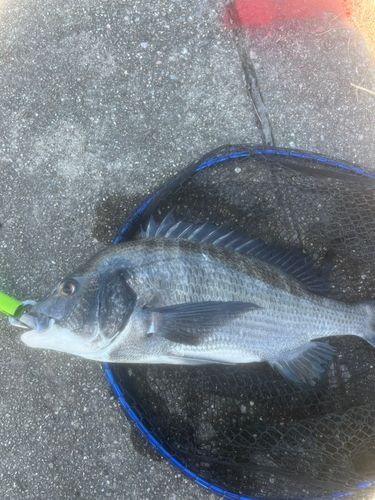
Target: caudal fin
[369,311]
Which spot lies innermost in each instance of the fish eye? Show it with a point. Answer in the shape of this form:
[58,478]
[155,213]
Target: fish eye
[67,288]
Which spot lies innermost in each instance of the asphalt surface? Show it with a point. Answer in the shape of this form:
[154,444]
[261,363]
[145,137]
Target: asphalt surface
[100,101]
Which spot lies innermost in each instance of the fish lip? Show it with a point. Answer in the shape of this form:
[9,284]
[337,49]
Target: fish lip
[27,336]
[16,321]
[38,322]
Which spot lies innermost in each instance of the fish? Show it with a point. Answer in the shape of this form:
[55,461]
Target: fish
[192,294]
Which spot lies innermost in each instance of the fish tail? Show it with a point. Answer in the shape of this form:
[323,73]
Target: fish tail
[369,333]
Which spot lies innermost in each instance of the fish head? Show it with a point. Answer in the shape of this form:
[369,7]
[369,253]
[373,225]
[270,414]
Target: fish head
[83,313]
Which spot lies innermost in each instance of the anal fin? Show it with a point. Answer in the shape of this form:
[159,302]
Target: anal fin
[305,364]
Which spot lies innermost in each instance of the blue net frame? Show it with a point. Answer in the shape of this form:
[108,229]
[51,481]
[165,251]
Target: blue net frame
[222,156]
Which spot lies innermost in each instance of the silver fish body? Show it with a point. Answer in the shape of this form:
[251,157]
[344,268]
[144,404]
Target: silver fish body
[161,300]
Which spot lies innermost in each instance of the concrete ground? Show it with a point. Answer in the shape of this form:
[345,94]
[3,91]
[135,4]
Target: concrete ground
[100,101]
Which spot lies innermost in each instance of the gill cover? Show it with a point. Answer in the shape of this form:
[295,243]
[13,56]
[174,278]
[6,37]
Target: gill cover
[116,303]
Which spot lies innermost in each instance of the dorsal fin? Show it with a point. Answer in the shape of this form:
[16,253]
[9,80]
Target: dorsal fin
[290,260]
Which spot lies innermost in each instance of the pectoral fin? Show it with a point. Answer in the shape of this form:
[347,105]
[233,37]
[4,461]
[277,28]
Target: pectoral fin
[189,323]
[304,364]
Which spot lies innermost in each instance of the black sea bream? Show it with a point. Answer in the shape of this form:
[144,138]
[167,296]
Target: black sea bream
[190,294]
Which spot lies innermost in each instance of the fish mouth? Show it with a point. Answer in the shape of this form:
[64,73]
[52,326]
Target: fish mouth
[37,322]
[47,333]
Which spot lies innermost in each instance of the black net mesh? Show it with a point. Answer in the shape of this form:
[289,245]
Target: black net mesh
[244,428]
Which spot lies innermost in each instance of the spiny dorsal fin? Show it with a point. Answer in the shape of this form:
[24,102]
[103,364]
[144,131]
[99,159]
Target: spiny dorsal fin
[290,260]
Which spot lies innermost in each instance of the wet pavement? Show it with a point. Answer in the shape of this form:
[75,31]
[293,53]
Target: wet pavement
[100,102]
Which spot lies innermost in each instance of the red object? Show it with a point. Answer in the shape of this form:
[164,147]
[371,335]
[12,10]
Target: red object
[249,13]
